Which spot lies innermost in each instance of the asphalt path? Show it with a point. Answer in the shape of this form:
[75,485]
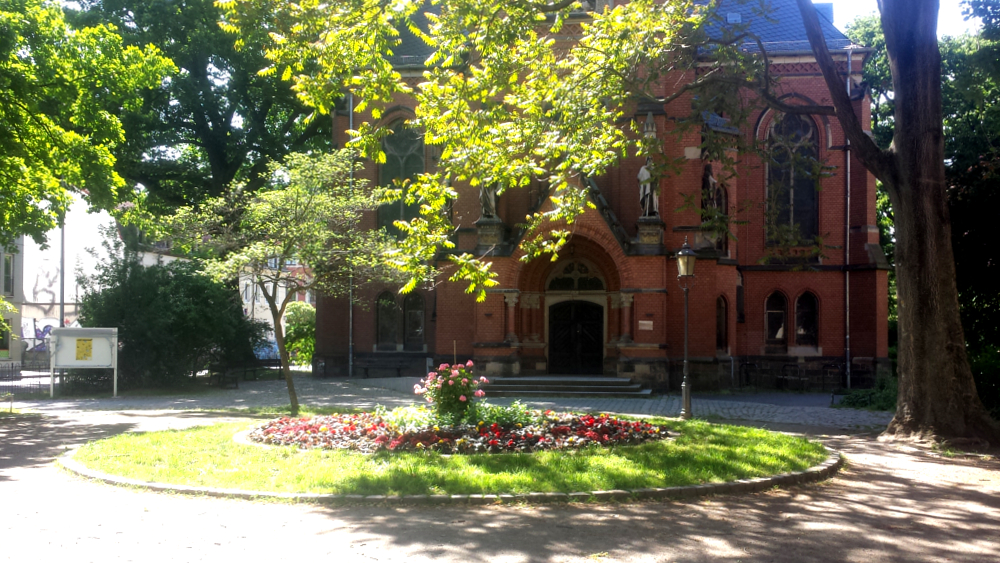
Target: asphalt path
[893,502]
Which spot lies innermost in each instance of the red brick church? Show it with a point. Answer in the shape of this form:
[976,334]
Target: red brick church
[611,304]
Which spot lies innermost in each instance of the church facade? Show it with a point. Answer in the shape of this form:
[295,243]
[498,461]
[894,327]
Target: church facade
[612,304]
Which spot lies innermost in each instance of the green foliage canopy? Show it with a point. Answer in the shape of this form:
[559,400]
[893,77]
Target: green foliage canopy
[62,92]
[512,95]
[214,121]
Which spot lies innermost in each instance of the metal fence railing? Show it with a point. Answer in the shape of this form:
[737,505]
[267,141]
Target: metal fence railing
[23,381]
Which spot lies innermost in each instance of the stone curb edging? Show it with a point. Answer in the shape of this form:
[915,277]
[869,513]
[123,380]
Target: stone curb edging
[819,472]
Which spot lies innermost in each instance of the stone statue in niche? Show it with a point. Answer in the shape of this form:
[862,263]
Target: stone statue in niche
[710,193]
[488,199]
[647,195]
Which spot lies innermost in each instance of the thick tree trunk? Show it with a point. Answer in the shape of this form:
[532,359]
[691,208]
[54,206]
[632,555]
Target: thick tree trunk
[937,395]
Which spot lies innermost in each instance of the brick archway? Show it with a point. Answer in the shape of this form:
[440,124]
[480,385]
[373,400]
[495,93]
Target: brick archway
[595,279]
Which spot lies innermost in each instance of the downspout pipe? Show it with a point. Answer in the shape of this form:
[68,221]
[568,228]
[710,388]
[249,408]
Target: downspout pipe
[350,280]
[847,238]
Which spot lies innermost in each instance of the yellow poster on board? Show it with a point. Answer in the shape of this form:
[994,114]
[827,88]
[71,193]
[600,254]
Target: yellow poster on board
[84,348]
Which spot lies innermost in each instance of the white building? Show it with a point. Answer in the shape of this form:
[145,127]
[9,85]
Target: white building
[12,290]
[42,275]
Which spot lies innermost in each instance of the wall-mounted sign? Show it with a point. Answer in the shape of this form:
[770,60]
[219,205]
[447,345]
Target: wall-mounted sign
[83,348]
[645,325]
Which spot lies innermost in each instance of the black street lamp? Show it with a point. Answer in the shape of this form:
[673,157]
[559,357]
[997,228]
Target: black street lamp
[686,259]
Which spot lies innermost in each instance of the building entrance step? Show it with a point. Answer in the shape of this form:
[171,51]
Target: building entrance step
[564,386]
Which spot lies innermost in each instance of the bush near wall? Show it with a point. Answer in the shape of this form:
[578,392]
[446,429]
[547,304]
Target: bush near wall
[172,321]
[300,332]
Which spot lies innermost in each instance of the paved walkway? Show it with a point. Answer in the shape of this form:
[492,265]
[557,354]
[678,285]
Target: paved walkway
[893,503]
[390,392]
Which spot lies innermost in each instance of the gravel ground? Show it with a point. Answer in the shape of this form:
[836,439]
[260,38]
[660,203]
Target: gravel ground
[894,502]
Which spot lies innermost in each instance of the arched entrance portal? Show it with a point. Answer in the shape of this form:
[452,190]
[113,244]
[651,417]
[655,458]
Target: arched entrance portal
[576,338]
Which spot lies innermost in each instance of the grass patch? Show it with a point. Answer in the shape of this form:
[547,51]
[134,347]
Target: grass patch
[208,456]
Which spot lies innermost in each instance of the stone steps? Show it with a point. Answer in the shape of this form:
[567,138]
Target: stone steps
[565,386]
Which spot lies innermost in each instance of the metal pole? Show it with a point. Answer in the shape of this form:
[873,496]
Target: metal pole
[114,362]
[62,271]
[62,299]
[847,239]
[350,281]
[686,384]
[53,340]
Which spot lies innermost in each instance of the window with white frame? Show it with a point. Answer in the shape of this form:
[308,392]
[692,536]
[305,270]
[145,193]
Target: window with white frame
[8,274]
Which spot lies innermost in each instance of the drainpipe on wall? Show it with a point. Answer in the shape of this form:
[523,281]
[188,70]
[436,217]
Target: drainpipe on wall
[350,280]
[847,238]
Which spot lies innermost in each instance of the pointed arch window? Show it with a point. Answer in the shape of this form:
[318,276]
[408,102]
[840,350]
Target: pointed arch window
[413,322]
[806,320]
[387,321]
[775,319]
[721,324]
[404,160]
[792,180]
[400,328]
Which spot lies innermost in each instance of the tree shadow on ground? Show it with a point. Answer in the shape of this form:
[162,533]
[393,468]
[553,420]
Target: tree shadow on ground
[32,440]
[895,503]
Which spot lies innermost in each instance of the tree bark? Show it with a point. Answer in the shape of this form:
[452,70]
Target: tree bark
[279,338]
[937,394]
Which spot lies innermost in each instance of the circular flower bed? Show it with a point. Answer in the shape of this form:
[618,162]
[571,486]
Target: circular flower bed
[371,433]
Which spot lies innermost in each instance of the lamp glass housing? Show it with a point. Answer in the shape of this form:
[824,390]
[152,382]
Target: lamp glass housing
[686,259]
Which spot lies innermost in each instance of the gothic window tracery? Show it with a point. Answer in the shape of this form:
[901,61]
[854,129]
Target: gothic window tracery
[576,276]
[404,160]
[792,180]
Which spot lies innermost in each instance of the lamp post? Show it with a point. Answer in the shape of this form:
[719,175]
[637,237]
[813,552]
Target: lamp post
[686,259]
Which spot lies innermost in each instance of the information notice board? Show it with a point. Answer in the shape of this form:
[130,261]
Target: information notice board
[95,348]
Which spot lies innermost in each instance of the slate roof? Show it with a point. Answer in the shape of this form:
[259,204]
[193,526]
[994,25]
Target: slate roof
[412,52]
[781,31]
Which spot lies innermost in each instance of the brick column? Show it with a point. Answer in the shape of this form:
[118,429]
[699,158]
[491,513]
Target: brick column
[511,300]
[614,316]
[626,317]
[529,301]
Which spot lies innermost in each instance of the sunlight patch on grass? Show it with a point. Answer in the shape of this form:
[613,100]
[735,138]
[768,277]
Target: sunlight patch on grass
[208,456]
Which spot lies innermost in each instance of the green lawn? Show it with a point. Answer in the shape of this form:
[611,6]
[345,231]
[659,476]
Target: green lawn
[208,456]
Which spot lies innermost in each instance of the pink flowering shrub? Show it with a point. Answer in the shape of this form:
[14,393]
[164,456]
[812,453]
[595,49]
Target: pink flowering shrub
[451,390]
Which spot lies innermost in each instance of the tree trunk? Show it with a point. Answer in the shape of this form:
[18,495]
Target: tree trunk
[279,338]
[937,395]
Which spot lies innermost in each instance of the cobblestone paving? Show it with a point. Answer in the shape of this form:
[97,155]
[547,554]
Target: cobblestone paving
[398,391]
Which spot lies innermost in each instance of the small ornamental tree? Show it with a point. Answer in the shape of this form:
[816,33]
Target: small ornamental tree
[451,389]
[310,213]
